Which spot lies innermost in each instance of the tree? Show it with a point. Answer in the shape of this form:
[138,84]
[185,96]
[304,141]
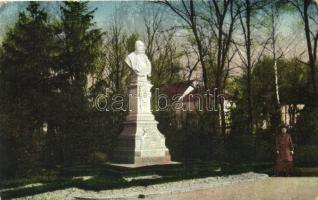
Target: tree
[249,57]
[292,79]
[26,91]
[81,46]
[161,48]
[113,73]
[308,11]
[273,12]
[187,11]
[115,52]
[221,18]
[274,16]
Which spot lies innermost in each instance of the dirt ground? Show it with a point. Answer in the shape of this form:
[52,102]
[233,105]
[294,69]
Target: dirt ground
[276,188]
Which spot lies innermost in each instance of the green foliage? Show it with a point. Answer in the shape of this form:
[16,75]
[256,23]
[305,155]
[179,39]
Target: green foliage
[292,89]
[98,157]
[82,41]
[306,155]
[307,129]
[195,132]
[28,49]
[43,75]
[292,82]
[265,145]
[80,50]
[240,147]
[131,42]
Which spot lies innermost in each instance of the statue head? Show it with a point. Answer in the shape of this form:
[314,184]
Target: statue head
[140,47]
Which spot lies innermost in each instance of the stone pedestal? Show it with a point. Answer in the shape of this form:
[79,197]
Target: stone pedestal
[140,142]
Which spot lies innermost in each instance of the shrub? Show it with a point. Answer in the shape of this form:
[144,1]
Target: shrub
[98,157]
[307,128]
[265,145]
[306,155]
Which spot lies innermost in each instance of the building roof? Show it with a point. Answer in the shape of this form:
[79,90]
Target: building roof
[179,88]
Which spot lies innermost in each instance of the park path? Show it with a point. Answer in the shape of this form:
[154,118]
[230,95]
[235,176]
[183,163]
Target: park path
[276,188]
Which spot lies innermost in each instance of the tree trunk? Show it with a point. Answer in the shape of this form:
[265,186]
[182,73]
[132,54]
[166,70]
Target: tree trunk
[249,66]
[198,41]
[312,57]
[223,121]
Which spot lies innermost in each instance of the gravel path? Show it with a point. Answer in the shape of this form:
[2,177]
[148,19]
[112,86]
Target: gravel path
[158,189]
[276,188]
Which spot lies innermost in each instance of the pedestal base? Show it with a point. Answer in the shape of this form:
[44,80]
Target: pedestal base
[134,158]
[125,168]
[141,144]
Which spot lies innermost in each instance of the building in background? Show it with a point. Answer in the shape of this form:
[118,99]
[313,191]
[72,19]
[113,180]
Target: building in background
[194,103]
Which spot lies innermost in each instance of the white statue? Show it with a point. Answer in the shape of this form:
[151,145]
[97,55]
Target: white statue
[140,142]
[138,60]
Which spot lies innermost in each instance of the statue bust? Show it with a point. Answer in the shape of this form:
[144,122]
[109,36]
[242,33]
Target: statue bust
[138,60]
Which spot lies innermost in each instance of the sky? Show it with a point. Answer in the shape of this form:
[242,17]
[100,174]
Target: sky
[130,14]
[105,11]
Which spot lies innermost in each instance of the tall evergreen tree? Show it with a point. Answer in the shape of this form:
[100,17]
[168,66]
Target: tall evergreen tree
[81,44]
[26,65]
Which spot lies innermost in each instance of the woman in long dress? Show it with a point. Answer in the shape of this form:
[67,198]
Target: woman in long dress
[285,151]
